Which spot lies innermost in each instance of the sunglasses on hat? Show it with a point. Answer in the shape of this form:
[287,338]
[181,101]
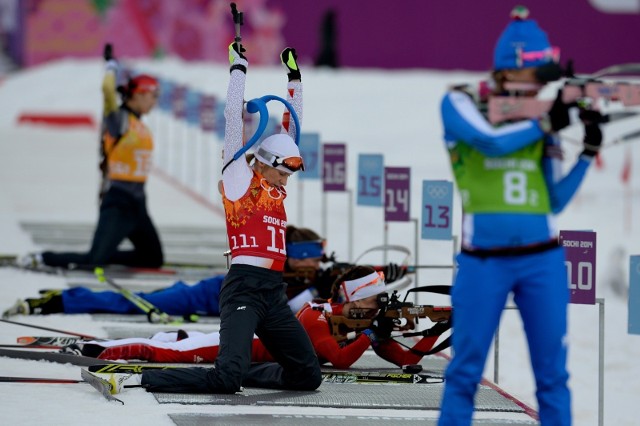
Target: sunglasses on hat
[292,163]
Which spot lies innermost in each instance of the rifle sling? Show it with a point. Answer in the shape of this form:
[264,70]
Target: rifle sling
[439,347]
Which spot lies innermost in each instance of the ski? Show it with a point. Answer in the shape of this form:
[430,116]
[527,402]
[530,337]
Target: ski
[327,376]
[379,377]
[127,368]
[13,379]
[176,272]
[57,357]
[154,314]
[106,387]
[8,259]
[48,341]
[55,330]
[36,346]
[102,385]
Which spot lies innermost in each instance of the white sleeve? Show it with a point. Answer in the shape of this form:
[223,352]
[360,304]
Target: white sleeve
[294,97]
[237,176]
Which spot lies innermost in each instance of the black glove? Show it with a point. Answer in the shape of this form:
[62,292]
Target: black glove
[382,327]
[592,132]
[289,59]
[559,114]
[239,49]
[236,58]
[107,54]
[110,59]
[393,272]
[437,329]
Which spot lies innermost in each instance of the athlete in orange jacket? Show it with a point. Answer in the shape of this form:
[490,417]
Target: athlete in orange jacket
[127,145]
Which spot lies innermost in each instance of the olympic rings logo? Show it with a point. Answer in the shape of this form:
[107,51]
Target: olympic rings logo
[279,192]
[437,191]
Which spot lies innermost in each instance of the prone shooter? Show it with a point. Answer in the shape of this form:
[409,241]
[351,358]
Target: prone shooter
[397,315]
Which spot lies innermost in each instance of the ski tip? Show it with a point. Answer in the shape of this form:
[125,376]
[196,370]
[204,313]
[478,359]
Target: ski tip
[26,340]
[107,387]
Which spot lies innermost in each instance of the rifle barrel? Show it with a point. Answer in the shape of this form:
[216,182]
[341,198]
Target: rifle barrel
[412,268]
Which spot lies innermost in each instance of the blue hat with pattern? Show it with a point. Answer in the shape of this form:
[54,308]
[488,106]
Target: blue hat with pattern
[523,44]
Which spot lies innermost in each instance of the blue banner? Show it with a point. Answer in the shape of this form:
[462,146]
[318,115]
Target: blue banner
[437,209]
[179,101]
[220,120]
[166,95]
[370,180]
[193,100]
[208,113]
[310,151]
[634,294]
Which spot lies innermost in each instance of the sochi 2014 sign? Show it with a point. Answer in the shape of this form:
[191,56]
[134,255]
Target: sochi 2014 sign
[580,261]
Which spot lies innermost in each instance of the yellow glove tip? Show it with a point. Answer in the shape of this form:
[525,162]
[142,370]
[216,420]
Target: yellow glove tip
[291,62]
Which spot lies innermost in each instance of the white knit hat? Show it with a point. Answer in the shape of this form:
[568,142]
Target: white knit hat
[363,287]
[278,146]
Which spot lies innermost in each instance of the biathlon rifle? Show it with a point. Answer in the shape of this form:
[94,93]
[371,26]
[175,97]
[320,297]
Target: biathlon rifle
[584,93]
[589,92]
[404,315]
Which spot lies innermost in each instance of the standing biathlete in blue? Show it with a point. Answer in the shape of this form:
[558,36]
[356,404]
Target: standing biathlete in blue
[510,188]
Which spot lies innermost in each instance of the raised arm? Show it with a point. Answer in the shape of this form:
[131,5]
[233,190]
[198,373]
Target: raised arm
[109,94]
[237,176]
[294,90]
[563,188]
[463,122]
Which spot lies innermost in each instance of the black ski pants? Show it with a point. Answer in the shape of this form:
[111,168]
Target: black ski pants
[122,215]
[252,300]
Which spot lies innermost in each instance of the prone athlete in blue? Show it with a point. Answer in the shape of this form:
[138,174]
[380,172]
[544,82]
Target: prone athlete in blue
[179,299]
[510,186]
[303,274]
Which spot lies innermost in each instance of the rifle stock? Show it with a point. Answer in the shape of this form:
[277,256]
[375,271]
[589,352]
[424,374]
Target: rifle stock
[434,313]
[341,326]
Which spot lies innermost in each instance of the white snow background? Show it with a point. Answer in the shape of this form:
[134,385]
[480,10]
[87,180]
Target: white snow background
[49,174]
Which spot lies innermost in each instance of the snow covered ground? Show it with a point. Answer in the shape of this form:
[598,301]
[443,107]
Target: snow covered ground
[50,174]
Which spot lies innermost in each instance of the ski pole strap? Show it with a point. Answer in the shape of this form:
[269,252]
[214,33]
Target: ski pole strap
[434,350]
[260,105]
[439,347]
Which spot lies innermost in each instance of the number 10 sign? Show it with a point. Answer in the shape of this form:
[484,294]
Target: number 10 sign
[580,261]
